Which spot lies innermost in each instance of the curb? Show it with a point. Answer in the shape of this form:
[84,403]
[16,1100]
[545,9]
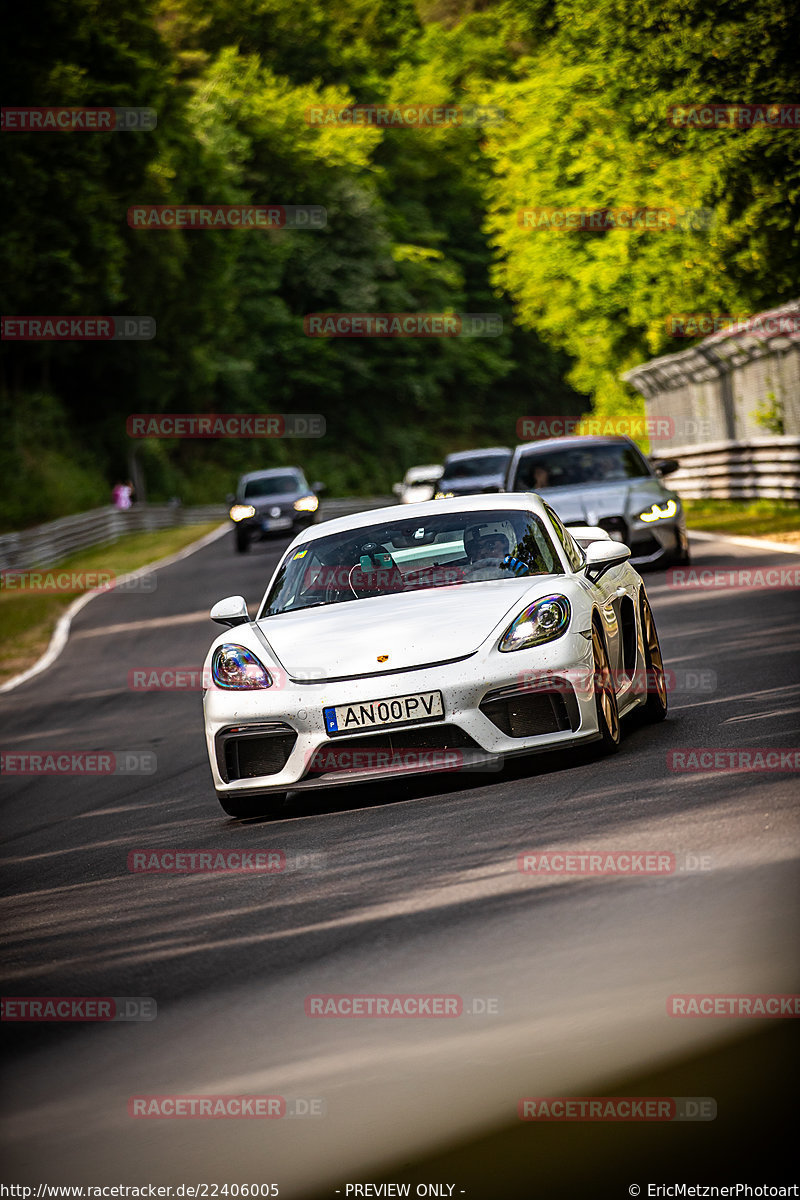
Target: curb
[61,632]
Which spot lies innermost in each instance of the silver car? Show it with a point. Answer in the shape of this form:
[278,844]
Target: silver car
[607,482]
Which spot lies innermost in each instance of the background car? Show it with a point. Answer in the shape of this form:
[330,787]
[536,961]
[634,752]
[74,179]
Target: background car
[607,481]
[418,484]
[448,637]
[270,502]
[472,472]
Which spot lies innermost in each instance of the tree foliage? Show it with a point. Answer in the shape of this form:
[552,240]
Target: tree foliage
[419,219]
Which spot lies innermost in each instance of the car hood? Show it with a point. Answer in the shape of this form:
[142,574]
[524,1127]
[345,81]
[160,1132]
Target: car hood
[415,629]
[589,503]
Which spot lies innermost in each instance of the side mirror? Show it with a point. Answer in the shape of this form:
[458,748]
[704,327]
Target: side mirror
[319,488]
[230,611]
[666,466]
[397,489]
[230,499]
[602,556]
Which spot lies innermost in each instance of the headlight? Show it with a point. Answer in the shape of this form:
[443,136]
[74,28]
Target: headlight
[240,512]
[236,667]
[540,622]
[443,495]
[656,513]
[306,504]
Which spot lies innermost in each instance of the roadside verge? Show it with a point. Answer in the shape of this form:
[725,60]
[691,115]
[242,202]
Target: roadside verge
[60,634]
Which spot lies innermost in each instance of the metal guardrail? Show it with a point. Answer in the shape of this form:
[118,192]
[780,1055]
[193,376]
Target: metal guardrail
[45,545]
[759,469]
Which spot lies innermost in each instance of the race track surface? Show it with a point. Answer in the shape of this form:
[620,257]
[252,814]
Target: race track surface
[410,887]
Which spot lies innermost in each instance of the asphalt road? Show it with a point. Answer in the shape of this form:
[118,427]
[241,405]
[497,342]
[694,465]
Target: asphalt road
[408,888]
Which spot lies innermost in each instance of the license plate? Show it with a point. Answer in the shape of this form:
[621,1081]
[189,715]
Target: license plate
[273,523]
[372,714]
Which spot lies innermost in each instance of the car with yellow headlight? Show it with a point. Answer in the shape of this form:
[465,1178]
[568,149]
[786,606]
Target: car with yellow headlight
[607,482]
[448,635]
[271,503]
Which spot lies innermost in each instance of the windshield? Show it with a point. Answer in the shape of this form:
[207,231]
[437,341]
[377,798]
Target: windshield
[411,555]
[273,485]
[470,468]
[577,465]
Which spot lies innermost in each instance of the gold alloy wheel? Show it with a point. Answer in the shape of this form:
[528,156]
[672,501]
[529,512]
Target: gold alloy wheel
[605,697]
[657,701]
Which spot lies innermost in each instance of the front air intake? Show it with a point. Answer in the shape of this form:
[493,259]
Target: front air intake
[250,751]
[521,714]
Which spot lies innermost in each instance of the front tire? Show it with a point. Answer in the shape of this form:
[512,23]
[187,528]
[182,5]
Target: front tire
[605,697]
[657,703]
[242,541]
[681,556]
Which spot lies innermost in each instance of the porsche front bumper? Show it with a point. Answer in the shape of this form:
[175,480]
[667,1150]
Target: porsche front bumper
[274,740]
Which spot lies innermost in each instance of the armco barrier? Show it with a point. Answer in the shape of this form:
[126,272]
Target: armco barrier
[44,545]
[762,468]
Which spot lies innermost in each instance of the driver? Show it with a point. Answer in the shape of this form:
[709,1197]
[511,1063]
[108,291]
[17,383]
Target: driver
[606,465]
[485,551]
[493,546]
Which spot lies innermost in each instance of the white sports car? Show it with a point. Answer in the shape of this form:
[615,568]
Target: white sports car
[448,635]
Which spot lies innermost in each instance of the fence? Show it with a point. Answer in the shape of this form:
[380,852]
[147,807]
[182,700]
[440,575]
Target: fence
[736,385]
[47,544]
[731,404]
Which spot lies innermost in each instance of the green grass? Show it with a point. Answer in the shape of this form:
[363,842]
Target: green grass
[27,619]
[752,518]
